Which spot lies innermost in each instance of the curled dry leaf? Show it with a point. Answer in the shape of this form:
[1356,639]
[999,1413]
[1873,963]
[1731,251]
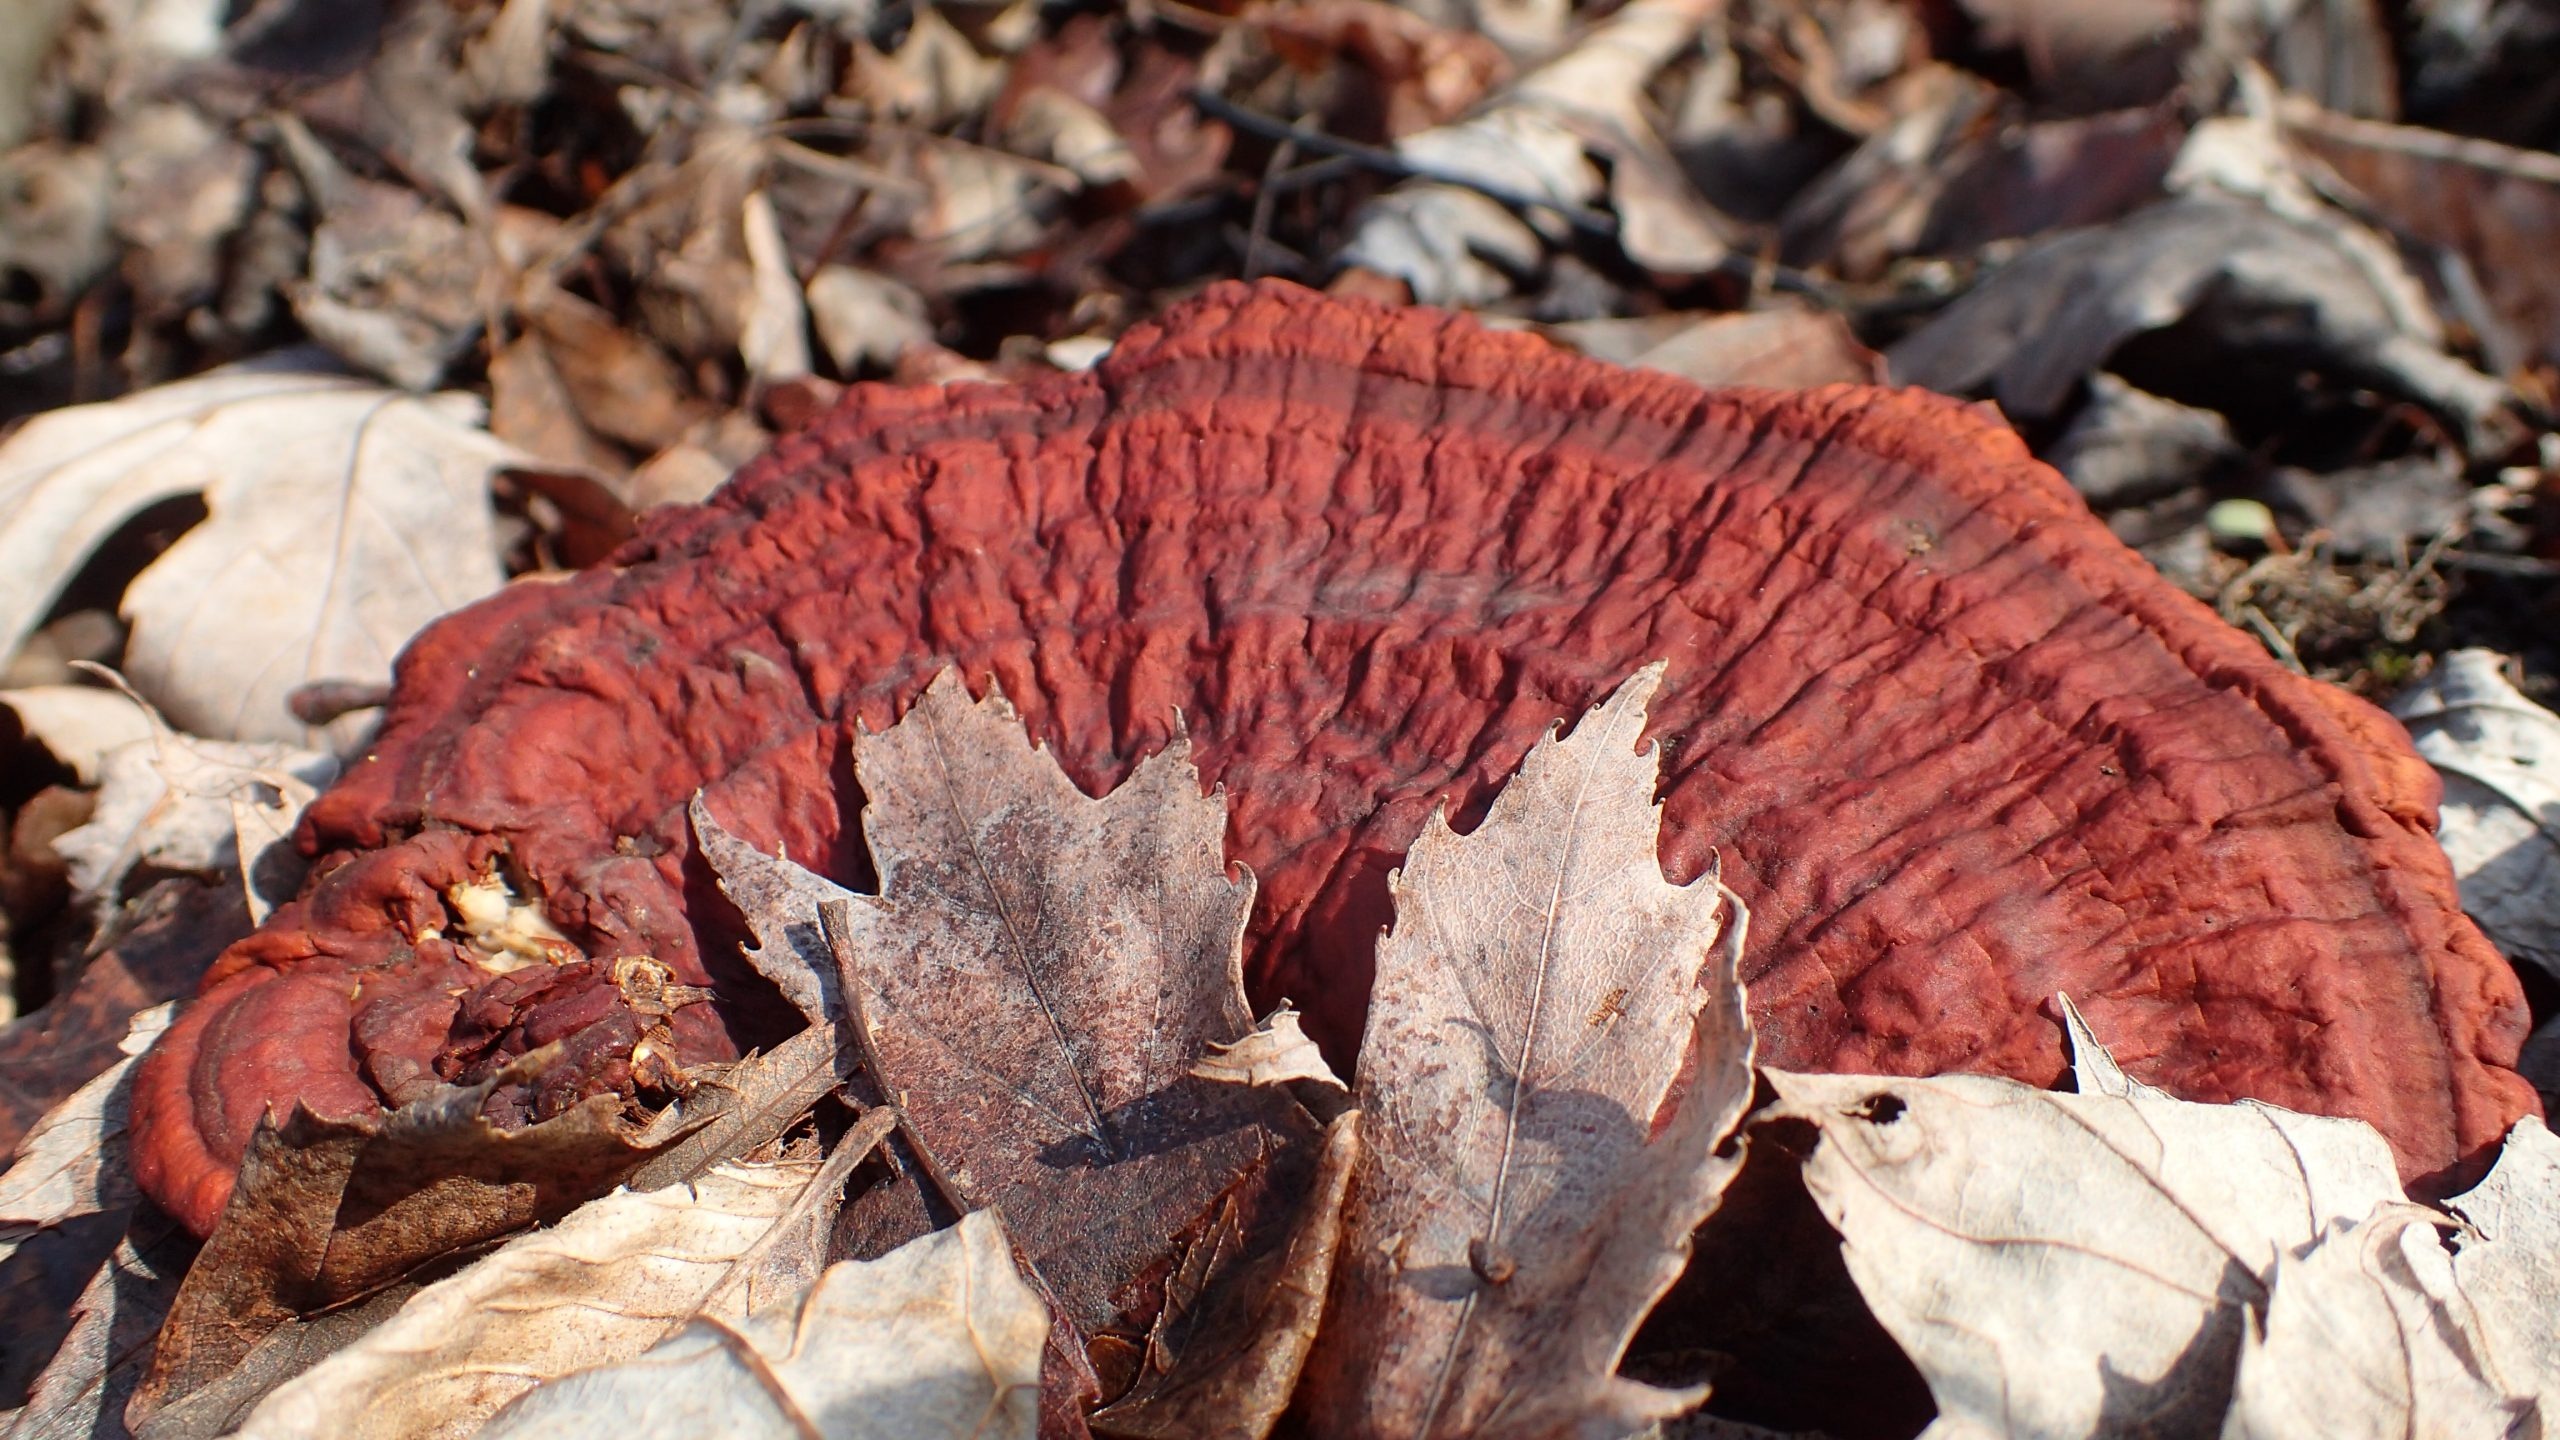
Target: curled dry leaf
[1981,1219]
[939,1338]
[174,802]
[327,1209]
[1275,1053]
[2499,754]
[341,517]
[1510,1221]
[2252,279]
[71,1162]
[2369,1335]
[1534,145]
[1036,980]
[599,1288]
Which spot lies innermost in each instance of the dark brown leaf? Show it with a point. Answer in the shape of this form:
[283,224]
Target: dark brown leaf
[1037,980]
[1510,1222]
[328,1210]
[1237,1323]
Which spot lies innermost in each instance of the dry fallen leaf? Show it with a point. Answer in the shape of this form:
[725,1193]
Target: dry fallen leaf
[939,1338]
[341,518]
[325,1210]
[1036,980]
[2499,756]
[1783,346]
[1982,1219]
[174,802]
[1276,1052]
[2507,1261]
[2369,1335]
[599,1288]
[1511,1223]
[80,725]
[2493,205]
[82,1391]
[71,1162]
[1238,1321]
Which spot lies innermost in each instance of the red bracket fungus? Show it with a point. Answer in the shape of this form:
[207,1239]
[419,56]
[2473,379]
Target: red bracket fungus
[1959,749]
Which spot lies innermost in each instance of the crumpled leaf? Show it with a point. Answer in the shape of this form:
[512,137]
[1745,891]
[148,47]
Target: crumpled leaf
[2507,1260]
[2370,1335]
[1036,980]
[175,802]
[2053,315]
[1511,1223]
[397,284]
[341,518]
[1981,1219]
[71,1162]
[940,1337]
[2499,756]
[1448,235]
[1275,1052]
[2127,446]
[599,1288]
[327,1209]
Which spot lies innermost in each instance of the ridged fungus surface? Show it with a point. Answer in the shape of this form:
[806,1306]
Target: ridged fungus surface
[1959,749]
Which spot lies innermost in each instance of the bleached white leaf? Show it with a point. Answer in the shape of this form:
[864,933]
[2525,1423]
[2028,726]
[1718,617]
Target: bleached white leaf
[80,725]
[70,1163]
[939,1338]
[2499,754]
[2370,1336]
[2072,1264]
[341,517]
[169,801]
[2508,1261]
[598,1288]
[1274,1052]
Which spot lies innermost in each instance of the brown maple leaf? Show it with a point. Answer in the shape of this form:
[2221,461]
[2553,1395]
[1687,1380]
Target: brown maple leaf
[1037,979]
[1510,1221]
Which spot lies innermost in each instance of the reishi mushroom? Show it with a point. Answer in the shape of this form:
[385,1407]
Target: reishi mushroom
[1959,749]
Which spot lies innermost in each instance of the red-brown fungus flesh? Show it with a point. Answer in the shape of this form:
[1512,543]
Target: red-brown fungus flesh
[1959,749]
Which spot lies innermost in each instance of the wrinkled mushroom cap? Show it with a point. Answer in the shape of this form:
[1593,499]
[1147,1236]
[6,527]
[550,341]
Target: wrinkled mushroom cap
[1958,748]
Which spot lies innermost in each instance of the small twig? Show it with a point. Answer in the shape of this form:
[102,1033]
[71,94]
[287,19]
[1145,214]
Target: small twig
[1258,233]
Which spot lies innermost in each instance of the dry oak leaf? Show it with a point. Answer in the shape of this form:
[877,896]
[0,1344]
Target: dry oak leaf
[616,1277]
[938,1338]
[1510,1223]
[1036,980]
[2370,1335]
[341,518]
[1979,1218]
